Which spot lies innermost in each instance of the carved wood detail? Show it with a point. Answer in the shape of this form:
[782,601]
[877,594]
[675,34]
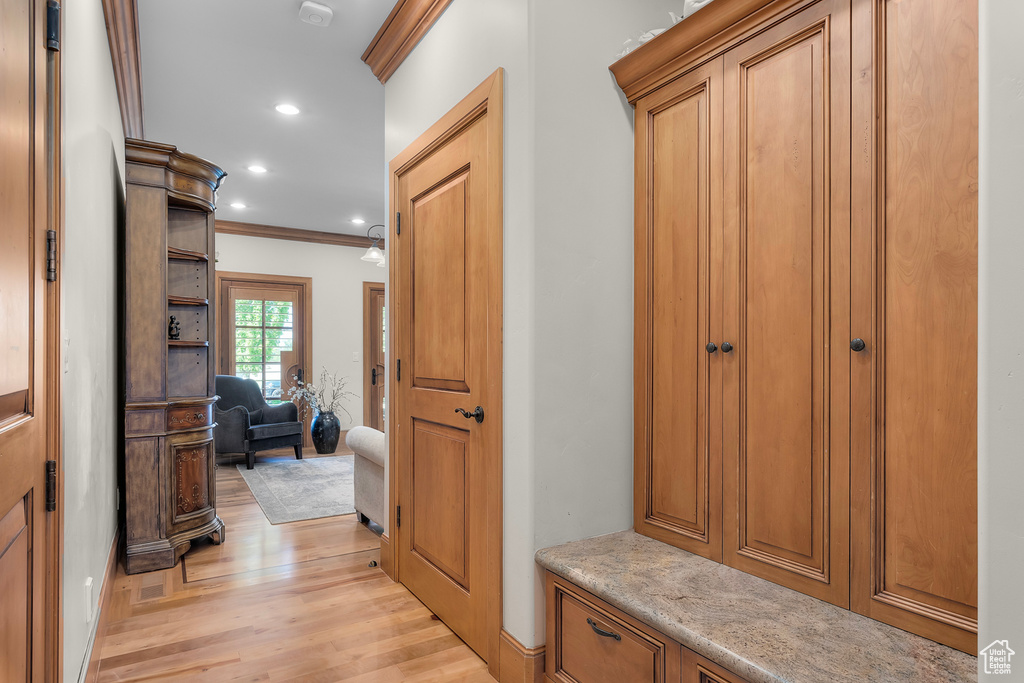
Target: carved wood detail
[192,484]
[188,417]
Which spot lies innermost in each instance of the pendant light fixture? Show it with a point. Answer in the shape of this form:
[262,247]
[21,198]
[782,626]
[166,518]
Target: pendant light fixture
[374,253]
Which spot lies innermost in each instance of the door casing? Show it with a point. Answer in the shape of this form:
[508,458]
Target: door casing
[372,293]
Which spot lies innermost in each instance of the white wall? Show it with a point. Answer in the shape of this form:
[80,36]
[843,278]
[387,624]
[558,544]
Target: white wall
[1001,330]
[568,257]
[94,201]
[338,277]
[583,180]
[470,41]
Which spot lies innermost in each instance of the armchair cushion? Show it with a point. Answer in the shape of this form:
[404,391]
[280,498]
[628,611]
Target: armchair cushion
[270,431]
[282,412]
[255,417]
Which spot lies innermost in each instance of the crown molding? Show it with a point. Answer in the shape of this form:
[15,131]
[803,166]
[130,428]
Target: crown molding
[656,62]
[122,19]
[408,22]
[294,234]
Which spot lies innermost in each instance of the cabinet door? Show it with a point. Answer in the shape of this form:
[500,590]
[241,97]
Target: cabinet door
[915,512]
[678,312]
[787,228]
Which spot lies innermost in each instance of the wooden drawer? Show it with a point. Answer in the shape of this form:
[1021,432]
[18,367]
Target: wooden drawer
[592,642]
[697,669]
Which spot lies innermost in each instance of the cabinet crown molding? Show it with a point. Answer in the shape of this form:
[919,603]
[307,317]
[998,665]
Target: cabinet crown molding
[189,178]
[704,32]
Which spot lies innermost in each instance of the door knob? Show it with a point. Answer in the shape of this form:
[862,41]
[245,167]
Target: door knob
[858,345]
[711,348]
[726,347]
[478,414]
[373,377]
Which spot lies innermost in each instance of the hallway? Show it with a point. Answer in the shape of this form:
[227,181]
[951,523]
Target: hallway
[293,602]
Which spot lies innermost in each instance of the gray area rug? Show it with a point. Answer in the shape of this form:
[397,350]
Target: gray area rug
[302,489]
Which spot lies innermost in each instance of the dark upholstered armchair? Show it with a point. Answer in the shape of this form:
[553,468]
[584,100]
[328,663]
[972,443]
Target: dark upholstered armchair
[246,423]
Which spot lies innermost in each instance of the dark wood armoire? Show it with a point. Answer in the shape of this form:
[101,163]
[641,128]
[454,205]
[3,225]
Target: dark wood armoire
[169,362]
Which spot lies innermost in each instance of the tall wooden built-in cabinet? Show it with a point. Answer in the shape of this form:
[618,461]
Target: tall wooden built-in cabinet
[806,299]
[169,486]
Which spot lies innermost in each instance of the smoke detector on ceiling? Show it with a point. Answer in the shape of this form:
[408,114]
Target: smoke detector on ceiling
[316,14]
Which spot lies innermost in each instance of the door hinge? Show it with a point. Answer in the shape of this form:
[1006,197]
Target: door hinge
[398,370]
[53,25]
[398,222]
[398,516]
[51,255]
[51,485]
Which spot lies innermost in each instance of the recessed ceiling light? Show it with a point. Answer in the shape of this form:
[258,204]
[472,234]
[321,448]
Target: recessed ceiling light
[237,205]
[358,221]
[257,169]
[287,109]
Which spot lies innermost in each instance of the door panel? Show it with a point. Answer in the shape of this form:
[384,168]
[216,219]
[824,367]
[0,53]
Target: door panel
[917,518]
[439,525]
[446,290]
[787,243]
[24,391]
[782,304]
[679,490]
[16,262]
[440,338]
[16,592]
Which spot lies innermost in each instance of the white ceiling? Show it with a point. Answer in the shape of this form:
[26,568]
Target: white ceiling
[212,73]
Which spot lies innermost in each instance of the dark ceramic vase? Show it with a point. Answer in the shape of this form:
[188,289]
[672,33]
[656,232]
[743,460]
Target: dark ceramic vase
[326,431]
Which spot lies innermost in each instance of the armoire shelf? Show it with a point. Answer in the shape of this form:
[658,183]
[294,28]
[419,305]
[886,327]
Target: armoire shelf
[186,342]
[186,255]
[187,301]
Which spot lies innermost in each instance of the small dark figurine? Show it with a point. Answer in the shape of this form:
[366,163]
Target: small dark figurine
[174,329]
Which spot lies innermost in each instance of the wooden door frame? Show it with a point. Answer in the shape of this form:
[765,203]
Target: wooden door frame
[487,98]
[305,284]
[369,322]
[50,110]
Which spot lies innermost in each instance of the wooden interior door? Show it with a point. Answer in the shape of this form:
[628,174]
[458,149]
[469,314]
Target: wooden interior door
[678,485]
[915,518]
[374,345]
[24,389]
[786,378]
[447,262]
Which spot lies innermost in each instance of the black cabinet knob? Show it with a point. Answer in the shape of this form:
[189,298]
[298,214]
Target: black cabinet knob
[726,347]
[858,345]
[711,348]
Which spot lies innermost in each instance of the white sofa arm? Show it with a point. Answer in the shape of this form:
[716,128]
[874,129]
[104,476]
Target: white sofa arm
[367,443]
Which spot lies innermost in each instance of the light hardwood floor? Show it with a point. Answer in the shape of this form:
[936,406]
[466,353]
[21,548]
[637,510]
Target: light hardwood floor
[292,602]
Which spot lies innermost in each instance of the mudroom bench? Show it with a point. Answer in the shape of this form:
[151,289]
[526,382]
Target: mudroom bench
[624,607]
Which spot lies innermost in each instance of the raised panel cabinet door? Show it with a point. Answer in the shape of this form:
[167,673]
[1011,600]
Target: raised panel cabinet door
[916,512]
[786,320]
[678,484]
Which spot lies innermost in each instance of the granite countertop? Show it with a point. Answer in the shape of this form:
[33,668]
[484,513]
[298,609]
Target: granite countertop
[760,631]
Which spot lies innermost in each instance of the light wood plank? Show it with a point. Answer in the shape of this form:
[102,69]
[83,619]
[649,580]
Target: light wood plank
[292,602]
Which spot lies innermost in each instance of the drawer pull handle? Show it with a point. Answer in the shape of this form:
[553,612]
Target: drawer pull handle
[601,631]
